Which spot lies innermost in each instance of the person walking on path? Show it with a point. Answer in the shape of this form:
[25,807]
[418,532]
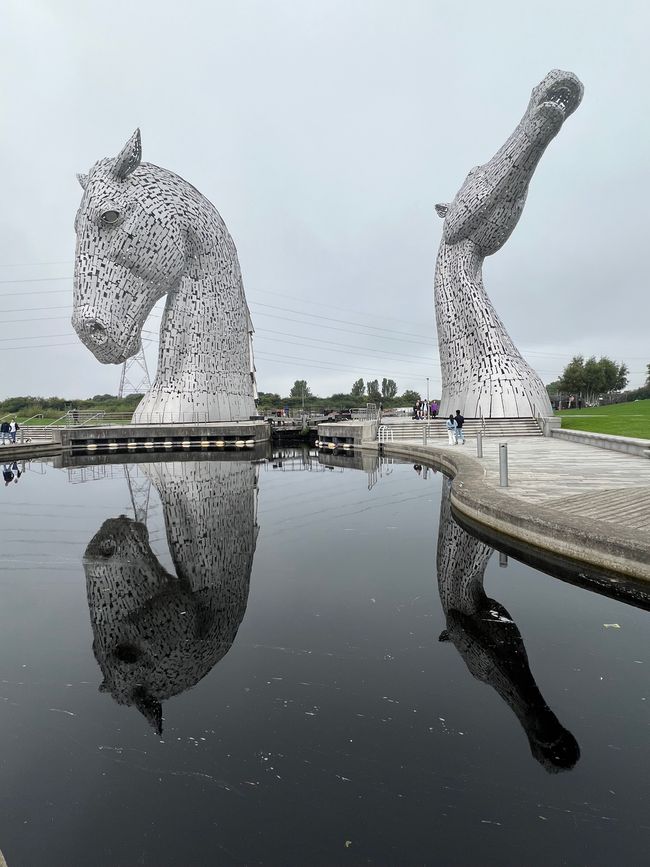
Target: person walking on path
[460,421]
[451,426]
[13,429]
[4,431]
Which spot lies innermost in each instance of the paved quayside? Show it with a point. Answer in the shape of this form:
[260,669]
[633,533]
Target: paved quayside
[586,503]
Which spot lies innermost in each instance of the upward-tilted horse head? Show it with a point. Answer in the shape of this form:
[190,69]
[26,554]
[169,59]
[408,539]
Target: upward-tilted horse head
[487,207]
[142,233]
[483,373]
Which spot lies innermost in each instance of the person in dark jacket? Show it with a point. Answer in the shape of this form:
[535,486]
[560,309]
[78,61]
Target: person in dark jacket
[460,421]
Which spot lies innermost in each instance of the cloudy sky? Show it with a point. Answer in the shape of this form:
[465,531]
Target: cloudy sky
[325,132]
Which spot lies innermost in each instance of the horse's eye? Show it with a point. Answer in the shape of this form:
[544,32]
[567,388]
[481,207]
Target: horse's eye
[110,217]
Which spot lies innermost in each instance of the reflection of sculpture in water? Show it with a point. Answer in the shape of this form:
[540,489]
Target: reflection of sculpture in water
[490,643]
[157,634]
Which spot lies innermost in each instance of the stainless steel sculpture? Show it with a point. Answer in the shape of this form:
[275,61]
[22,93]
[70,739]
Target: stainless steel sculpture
[157,634]
[490,643]
[142,233]
[482,370]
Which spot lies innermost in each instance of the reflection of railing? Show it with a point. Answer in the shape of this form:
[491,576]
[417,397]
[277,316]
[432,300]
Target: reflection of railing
[188,417]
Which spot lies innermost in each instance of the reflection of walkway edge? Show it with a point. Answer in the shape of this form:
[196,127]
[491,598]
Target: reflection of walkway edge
[599,543]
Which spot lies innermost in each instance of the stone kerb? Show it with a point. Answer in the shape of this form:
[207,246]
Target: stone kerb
[628,445]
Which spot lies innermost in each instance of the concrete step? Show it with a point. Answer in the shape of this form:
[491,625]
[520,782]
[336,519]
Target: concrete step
[410,429]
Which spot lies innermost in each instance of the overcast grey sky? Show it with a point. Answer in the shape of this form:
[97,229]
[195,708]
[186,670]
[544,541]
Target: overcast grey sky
[324,132]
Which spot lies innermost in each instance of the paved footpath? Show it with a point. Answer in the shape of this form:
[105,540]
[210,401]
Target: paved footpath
[601,496]
[582,480]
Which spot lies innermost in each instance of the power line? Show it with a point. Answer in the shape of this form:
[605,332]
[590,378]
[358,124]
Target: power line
[38,346]
[38,292]
[333,364]
[36,264]
[27,309]
[35,280]
[38,336]
[311,340]
[345,321]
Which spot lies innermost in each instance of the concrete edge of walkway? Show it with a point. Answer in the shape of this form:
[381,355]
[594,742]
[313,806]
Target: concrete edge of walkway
[599,543]
[27,452]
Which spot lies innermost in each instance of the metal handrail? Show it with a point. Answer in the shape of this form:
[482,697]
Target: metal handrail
[56,421]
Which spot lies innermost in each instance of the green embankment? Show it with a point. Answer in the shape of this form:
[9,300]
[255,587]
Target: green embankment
[621,419]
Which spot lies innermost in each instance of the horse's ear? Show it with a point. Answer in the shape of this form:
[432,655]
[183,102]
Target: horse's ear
[129,157]
[83,181]
[441,210]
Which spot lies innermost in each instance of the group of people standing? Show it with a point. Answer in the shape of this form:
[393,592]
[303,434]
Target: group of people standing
[8,430]
[454,425]
[423,409]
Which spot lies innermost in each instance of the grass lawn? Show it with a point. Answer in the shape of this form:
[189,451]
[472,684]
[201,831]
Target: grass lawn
[622,419]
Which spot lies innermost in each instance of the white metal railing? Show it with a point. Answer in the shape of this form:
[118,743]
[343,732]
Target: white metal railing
[385,433]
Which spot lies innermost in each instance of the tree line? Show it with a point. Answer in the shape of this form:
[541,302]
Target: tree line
[29,405]
[361,392]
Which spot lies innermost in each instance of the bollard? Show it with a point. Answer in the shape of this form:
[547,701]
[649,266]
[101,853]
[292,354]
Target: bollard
[424,434]
[479,445]
[503,465]
[503,560]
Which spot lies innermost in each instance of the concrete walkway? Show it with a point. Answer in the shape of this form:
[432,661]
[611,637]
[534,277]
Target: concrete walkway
[586,503]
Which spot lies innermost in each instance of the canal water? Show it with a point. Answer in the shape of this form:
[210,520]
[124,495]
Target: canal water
[294,661]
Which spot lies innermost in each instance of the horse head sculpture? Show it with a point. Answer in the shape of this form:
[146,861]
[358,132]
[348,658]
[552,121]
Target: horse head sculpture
[483,373]
[490,202]
[142,233]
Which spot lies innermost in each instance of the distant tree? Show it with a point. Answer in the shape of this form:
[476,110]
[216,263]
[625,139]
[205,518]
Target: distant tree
[300,389]
[592,378]
[372,388]
[409,397]
[269,398]
[553,388]
[358,388]
[572,380]
[388,388]
[596,378]
[647,379]
[621,377]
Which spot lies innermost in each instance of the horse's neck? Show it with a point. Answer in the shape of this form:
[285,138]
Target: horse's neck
[205,325]
[461,562]
[210,520]
[463,307]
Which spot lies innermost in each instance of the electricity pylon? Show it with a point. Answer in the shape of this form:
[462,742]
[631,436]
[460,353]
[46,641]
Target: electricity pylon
[135,375]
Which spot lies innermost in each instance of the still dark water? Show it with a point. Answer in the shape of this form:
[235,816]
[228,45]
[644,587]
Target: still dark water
[298,664]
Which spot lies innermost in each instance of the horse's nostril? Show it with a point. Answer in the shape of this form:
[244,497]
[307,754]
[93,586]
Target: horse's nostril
[95,330]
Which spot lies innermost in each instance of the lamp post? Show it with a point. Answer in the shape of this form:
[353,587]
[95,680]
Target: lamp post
[427,397]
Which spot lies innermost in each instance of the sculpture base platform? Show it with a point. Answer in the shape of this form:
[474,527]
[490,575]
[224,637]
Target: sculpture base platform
[123,438]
